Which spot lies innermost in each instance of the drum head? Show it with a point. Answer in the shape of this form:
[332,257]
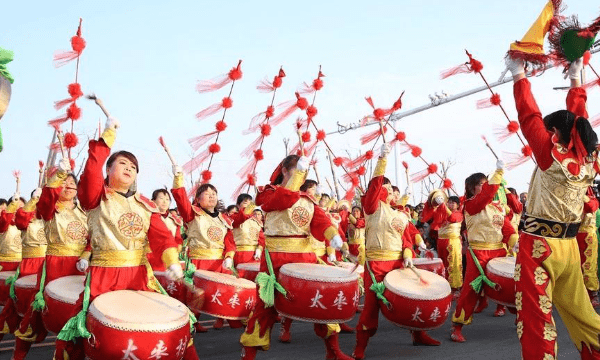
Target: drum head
[66,289]
[139,311]
[426,261]
[249,266]
[5,275]
[317,272]
[25,282]
[405,283]
[350,266]
[225,279]
[502,266]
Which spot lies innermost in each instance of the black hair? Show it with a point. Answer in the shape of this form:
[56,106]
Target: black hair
[395,188]
[21,198]
[356,207]
[202,188]
[307,185]
[470,183]
[3,202]
[127,155]
[241,198]
[288,163]
[454,199]
[160,191]
[325,196]
[563,121]
[231,207]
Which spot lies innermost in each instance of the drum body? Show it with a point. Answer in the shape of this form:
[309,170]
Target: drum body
[61,295]
[4,289]
[414,305]
[248,270]
[25,290]
[434,265]
[129,324]
[501,271]
[317,293]
[226,296]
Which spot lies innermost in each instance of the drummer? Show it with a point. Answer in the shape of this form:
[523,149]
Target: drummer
[122,222]
[356,234]
[388,247]
[162,199]
[291,216]
[247,231]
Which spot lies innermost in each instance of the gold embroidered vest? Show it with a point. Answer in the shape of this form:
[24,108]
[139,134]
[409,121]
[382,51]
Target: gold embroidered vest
[172,224]
[67,232]
[246,235]
[10,245]
[206,235]
[383,232]
[355,235]
[288,230]
[588,224]
[484,229]
[449,230]
[34,239]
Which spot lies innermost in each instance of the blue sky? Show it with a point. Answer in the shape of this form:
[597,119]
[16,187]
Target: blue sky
[144,59]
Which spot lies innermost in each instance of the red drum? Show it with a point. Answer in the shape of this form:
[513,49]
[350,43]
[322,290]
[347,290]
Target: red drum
[434,265]
[4,289]
[414,305]
[129,324]
[501,271]
[61,295]
[317,293]
[248,270]
[174,288]
[25,289]
[226,296]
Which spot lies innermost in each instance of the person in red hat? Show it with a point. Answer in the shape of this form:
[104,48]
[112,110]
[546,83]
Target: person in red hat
[388,247]
[548,270]
[287,241]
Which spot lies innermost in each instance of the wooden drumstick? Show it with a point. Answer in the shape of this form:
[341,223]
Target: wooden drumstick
[162,143]
[382,131]
[421,280]
[195,296]
[63,151]
[17,175]
[301,142]
[41,177]
[99,102]
[489,147]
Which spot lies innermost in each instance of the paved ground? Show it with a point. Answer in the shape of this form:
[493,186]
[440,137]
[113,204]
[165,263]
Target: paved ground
[488,338]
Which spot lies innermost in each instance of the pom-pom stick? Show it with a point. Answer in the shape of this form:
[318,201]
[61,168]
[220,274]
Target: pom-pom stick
[421,280]
[41,176]
[99,102]
[62,145]
[17,175]
[162,143]
[221,80]
[489,146]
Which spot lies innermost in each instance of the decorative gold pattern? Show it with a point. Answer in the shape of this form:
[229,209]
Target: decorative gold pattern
[545,304]
[540,276]
[517,274]
[382,233]
[549,332]
[520,329]
[300,216]
[279,223]
[531,226]
[130,224]
[548,357]
[486,226]
[538,249]
[519,300]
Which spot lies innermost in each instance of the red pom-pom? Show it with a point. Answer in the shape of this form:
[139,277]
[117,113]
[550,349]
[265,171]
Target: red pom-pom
[72,162]
[432,168]
[258,155]
[447,184]
[317,84]
[513,127]
[526,151]
[70,140]
[495,99]
[74,112]
[306,136]
[236,72]
[270,111]
[277,81]
[379,113]
[227,103]
[220,125]
[405,164]
[265,129]
[354,180]
[415,151]
[400,136]
[214,148]
[251,180]
[75,90]
[301,102]
[586,57]
[475,65]
[77,44]
[321,135]
[398,104]
[206,175]
[311,111]
[361,170]
[369,154]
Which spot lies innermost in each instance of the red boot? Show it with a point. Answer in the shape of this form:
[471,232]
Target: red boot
[422,338]
[457,335]
[500,310]
[249,352]
[218,324]
[285,335]
[345,328]
[333,349]
[362,339]
[199,328]
[21,349]
[482,305]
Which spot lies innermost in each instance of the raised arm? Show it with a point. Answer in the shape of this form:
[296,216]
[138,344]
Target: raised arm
[91,184]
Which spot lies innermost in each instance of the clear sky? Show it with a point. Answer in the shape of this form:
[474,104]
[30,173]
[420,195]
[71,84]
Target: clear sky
[143,58]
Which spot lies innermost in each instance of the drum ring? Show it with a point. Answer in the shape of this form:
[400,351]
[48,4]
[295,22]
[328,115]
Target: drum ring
[92,336]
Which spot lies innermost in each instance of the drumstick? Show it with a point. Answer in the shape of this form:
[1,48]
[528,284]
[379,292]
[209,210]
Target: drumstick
[234,271]
[195,296]
[301,142]
[421,280]
[162,143]
[63,151]
[17,175]
[41,177]
[99,103]
[489,147]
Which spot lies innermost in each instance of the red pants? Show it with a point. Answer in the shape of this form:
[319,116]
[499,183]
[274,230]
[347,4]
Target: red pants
[59,266]
[242,257]
[588,252]
[215,265]
[548,272]
[9,265]
[468,297]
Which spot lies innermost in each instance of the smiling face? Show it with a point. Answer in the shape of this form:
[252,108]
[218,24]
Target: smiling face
[208,199]
[162,201]
[356,213]
[121,174]
[69,190]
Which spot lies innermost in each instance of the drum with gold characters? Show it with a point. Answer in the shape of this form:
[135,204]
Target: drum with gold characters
[226,296]
[61,296]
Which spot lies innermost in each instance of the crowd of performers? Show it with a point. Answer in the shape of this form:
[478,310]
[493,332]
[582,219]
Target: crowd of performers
[102,227]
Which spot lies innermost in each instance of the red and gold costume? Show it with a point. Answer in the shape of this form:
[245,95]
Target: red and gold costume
[248,235]
[210,237]
[548,270]
[587,239]
[10,239]
[487,227]
[356,236]
[516,209]
[449,244]
[174,224]
[291,218]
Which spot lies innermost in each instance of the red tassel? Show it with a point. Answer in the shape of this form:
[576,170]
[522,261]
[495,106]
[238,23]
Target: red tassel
[74,112]
[475,65]
[75,92]
[214,148]
[226,103]
[256,121]
[206,176]
[400,137]
[361,159]
[378,113]
[266,86]
[405,164]
[72,162]
[591,84]
[197,142]
[447,184]
[306,137]
[321,135]
[421,175]
[471,66]
[247,169]
[494,100]
[300,103]
[220,81]
[192,193]
[70,140]
[350,193]
[515,160]
[63,57]
[311,111]
[367,138]
[250,180]
[587,57]
[397,104]
[339,161]
[194,163]
[504,132]
[414,150]
[595,121]
[41,164]
[16,173]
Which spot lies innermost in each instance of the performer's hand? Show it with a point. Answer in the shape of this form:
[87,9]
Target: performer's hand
[112,123]
[422,245]
[16,196]
[336,242]
[177,170]
[407,191]
[331,258]
[574,72]
[499,164]
[516,66]
[438,200]
[408,262]
[321,189]
[37,193]
[516,248]
[227,263]
[64,165]
[175,272]
[82,265]
[385,150]
[303,163]
[257,254]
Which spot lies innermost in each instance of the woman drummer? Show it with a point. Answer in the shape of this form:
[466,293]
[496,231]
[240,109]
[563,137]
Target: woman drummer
[121,223]
[291,217]
[388,247]
[162,199]
[247,231]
